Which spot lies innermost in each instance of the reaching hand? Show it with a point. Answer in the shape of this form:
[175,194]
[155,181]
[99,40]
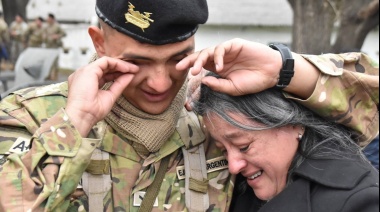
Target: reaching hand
[245,67]
[87,103]
[194,89]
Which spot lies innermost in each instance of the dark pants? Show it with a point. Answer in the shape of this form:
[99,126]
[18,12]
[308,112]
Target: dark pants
[3,53]
[372,152]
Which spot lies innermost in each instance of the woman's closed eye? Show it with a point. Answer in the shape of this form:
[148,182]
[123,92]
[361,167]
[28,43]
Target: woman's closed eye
[244,149]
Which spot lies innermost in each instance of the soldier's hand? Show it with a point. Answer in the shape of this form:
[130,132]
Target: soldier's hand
[245,67]
[87,102]
[194,89]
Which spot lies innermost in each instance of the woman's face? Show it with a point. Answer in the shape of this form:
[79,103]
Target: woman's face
[263,157]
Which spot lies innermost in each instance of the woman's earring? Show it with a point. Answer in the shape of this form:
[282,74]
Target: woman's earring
[300,136]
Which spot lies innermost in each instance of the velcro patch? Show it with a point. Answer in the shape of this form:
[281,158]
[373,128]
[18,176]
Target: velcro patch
[139,197]
[213,165]
[21,145]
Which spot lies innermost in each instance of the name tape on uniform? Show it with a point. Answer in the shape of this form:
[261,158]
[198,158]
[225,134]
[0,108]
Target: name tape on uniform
[213,165]
[139,197]
[21,145]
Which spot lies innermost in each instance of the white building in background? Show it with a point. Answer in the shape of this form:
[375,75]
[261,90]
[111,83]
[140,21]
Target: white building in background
[257,20]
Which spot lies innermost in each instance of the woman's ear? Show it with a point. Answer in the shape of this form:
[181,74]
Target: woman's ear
[97,37]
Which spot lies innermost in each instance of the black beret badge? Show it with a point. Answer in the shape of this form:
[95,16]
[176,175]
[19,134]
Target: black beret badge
[136,18]
[156,22]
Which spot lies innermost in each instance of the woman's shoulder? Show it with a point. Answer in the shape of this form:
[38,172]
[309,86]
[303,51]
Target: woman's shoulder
[342,185]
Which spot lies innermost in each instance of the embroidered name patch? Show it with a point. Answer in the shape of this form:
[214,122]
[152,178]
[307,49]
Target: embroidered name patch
[212,165]
[21,145]
[139,197]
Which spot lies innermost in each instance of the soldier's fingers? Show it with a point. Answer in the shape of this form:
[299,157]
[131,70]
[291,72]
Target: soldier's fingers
[205,60]
[119,85]
[107,65]
[197,61]
[220,52]
[221,85]
[187,62]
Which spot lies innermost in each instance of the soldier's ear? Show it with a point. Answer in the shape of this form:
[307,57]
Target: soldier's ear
[97,37]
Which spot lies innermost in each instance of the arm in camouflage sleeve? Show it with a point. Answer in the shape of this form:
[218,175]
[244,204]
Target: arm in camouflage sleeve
[45,177]
[50,172]
[347,92]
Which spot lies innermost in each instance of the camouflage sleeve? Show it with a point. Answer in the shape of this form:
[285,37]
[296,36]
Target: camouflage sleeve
[44,178]
[61,32]
[347,92]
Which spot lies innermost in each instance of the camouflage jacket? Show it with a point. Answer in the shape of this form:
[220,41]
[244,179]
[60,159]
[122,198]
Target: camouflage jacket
[35,35]
[4,36]
[46,177]
[17,31]
[50,32]
[347,92]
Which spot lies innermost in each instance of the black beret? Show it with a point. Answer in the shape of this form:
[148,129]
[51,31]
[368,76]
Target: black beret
[156,22]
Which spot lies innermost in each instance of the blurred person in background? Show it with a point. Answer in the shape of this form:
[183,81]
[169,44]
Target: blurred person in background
[34,35]
[4,39]
[54,33]
[17,31]
[53,40]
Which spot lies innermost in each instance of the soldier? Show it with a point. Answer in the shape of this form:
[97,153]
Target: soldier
[53,39]
[119,126]
[4,37]
[54,33]
[35,33]
[17,31]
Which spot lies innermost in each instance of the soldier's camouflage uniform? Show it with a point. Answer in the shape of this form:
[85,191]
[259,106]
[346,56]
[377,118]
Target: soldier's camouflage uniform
[17,39]
[51,31]
[4,35]
[35,35]
[45,178]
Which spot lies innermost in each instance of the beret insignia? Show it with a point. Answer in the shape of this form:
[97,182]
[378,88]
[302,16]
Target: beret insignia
[138,19]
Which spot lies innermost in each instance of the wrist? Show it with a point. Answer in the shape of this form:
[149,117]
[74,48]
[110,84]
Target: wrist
[83,122]
[286,72]
[305,78]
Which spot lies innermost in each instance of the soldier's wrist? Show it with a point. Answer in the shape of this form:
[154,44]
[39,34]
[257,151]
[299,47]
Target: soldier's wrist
[82,122]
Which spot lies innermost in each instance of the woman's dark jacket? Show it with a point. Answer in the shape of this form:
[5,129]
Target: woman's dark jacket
[320,186]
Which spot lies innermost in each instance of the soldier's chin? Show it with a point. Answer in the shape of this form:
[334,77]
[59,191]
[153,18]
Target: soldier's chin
[155,108]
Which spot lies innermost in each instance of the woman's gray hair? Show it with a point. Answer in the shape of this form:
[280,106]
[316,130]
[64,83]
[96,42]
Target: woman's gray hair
[322,139]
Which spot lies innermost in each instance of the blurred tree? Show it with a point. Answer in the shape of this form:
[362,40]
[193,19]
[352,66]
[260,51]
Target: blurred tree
[315,22]
[13,7]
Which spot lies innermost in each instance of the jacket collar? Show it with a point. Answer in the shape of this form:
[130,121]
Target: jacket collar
[330,173]
[340,174]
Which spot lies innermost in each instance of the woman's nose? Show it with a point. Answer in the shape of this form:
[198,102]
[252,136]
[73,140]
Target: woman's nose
[236,163]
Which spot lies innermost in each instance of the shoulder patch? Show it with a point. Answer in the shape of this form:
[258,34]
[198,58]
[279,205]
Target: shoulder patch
[48,90]
[21,145]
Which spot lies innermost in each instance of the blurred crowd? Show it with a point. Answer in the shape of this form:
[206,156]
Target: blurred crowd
[19,35]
